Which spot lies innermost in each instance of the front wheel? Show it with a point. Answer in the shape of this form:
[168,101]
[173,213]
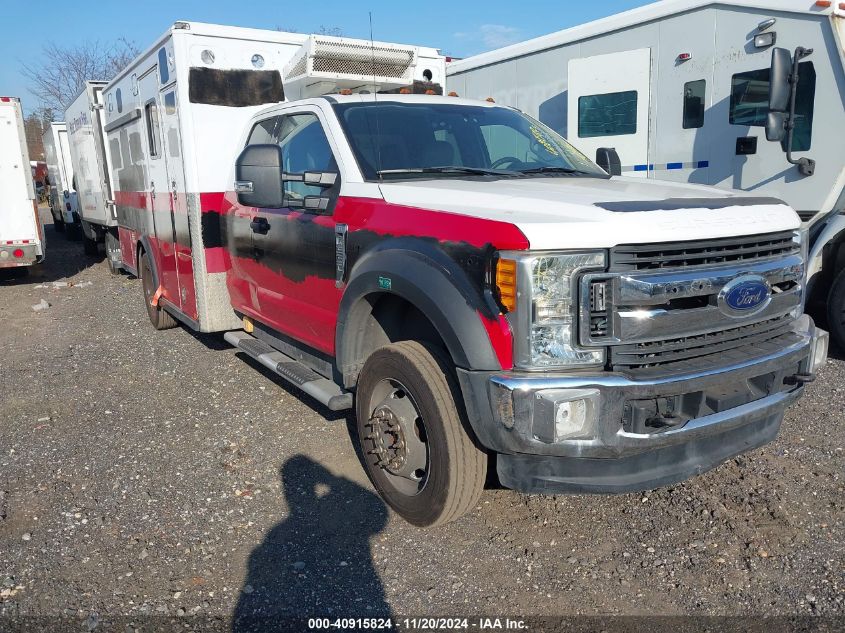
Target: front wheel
[415,440]
[836,310]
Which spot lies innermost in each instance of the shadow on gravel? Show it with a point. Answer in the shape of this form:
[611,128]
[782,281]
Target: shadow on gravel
[316,561]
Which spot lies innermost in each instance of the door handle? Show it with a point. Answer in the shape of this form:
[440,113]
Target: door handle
[259,225]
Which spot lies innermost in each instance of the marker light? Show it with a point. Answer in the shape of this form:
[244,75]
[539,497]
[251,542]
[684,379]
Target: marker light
[207,56]
[490,99]
[683,57]
[764,40]
[404,91]
[766,24]
[506,283]
[453,94]
[823,3]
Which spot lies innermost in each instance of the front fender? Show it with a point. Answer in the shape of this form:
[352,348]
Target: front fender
[462,310]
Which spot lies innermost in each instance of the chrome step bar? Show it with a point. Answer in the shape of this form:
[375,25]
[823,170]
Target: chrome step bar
[294,372]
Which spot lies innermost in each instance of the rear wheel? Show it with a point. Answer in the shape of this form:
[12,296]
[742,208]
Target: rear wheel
[89,246]
[113,253]
[836,310]
[161,319]
[58,224]
[416,443]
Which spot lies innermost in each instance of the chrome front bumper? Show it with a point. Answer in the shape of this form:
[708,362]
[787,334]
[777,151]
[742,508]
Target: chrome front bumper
[669,455]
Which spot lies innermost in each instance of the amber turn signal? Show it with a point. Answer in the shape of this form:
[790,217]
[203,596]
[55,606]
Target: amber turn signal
[506,283]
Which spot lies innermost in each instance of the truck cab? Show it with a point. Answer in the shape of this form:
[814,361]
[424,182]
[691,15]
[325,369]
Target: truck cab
[482,294]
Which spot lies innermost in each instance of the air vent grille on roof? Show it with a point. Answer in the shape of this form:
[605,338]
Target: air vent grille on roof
[361,59]
[329,64]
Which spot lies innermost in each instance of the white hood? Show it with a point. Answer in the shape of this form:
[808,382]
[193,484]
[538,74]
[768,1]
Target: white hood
[562,212]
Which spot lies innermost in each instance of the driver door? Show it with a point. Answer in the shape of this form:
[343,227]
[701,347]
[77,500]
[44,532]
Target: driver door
[294,248]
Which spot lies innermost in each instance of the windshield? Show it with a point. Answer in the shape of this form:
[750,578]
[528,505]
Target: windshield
[417,140]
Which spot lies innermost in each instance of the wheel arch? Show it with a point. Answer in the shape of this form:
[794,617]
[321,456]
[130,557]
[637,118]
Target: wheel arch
[144,246]
[399,295]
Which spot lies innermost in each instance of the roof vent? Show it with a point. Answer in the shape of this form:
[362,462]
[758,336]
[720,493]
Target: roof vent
[325,65]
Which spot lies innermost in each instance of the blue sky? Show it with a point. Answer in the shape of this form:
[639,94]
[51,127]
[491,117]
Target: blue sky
[457,28]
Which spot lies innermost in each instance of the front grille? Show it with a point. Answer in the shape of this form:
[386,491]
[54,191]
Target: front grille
[633,257]
[751,337]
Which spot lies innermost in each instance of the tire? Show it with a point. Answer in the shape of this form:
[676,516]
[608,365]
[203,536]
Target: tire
[836,310]
[90,246]
[399,381]
[112,245]
[59,225]
[160,318]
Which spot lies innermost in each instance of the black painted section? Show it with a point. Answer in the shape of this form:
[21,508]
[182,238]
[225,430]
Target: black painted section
[235,88]
[448,294]
[677,204]
[213,232]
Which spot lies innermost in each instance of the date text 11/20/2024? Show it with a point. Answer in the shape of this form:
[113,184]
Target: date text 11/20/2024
[418,624]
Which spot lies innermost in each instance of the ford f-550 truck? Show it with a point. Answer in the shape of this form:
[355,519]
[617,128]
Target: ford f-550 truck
[476,288]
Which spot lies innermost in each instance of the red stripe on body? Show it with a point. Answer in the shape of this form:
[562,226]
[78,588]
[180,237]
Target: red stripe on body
[385,218]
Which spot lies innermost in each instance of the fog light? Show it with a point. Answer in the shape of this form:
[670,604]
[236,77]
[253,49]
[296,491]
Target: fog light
[561,414]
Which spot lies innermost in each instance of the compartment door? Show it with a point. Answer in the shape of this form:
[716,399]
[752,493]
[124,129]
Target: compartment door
[608,106]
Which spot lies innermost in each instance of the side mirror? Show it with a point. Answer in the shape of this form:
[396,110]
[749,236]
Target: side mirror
[776,126]
[779,84]
[258,176]
[608,159]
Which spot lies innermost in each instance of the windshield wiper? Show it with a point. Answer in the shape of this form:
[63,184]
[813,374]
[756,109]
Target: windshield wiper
[548,169]
[448,169]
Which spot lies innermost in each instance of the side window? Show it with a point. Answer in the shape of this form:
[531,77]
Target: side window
[163,70]
[263,132]
[750,102]
[749,98]
[153,132]
[694,104]
[612,114]
[304,148]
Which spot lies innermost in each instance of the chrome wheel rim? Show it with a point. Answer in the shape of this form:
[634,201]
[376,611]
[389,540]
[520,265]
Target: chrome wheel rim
[397,438]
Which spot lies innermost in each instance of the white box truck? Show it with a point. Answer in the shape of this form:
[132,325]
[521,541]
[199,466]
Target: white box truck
[681,89]
[21,233]
[62,194]
[92,171]
[173,118]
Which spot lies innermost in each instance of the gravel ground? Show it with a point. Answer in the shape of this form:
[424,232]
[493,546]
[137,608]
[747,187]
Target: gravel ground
[146,473]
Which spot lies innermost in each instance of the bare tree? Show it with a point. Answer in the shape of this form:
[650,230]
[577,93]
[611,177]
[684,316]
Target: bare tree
[57,80]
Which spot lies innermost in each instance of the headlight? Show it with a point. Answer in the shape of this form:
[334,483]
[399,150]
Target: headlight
[544,316]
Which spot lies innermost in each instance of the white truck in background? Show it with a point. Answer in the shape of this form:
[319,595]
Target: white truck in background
[681,88]
[92,170]
[62,193]
[21,233]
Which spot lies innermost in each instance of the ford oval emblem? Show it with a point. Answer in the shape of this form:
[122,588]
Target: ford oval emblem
[745,295]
